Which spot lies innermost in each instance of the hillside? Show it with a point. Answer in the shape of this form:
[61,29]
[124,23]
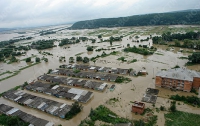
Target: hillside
[187,17]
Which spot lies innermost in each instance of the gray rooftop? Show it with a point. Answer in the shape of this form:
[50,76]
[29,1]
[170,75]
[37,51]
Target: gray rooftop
[179,74]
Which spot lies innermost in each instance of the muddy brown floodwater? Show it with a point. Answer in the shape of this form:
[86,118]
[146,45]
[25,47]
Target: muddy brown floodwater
[127,93]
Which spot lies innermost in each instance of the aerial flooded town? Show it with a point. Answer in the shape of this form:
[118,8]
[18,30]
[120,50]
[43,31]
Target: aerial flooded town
[93,74]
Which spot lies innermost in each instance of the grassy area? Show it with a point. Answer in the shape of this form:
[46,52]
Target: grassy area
[134,60]
[122,79]
[106,115]
[191,100]
[158,54]
[29,66]
[79,54]
[7,72]
[183,57]
[179,118]
[14,74]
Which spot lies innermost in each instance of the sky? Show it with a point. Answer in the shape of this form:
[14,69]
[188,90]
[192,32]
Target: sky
[31,13]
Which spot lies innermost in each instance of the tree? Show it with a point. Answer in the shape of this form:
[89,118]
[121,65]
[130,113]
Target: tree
[86,60]
[37,59]
[79,58]
[99,36]
[195,57]
[177,43]
[173,106]
[28,59]
[111,42]
[128,45]
[71,59]
[89,48]
[94,61]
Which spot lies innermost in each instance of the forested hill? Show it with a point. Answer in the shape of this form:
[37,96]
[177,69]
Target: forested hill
[189,17]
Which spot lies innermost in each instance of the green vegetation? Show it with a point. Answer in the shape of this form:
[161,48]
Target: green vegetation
[89,48]
[11,121]
[183,57]
[104,55]
[76,71]
[79,58]
[43,44]
[134,60]
[194,58]
[104,114]
[194,91]
[122,59]
[76,108]
[158,54]
[71,59]
[28,59]
[79,54]
[7,72]
[13,59]
[67,41]
[13,74]
[173,106]
[191,100]
[86,60]
[177,66]
[172,18]
[12,41]
[179,118]
[139,50]
[122,79]
[37,59]
[29,66]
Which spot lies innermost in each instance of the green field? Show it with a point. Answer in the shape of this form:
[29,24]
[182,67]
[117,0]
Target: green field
[182,119]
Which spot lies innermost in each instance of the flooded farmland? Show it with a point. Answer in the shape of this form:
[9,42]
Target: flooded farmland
[126,92]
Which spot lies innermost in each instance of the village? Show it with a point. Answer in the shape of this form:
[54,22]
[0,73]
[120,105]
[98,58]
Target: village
[114,88]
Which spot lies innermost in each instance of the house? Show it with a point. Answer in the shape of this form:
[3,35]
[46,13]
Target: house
[112,88]
[138,107]
[178,79]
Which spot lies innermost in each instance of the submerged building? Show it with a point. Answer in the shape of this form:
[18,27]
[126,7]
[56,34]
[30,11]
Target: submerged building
[178,79]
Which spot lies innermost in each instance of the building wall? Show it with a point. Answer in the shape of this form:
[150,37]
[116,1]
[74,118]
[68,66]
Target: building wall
[187,86]
[137,110]
[196,83]
[158,81]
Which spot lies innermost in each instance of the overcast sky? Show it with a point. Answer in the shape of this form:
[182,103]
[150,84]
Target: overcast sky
[29,13]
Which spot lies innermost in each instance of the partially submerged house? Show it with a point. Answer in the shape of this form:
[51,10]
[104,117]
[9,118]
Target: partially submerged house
[138,107]
[150,95]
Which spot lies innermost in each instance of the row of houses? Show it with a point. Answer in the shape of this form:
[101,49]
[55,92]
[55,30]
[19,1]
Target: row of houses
[46,105]
[61,92]
[84,74]
[150,95]
[100,86]
[97,69]
[32,120]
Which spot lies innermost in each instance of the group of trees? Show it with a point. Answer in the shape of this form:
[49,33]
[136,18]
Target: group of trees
[76,108]
[43,44]
[46,32]
[11,41]
[142,51]
[67,41]
[173,18]
[194,58]
[84,60]
[11,121]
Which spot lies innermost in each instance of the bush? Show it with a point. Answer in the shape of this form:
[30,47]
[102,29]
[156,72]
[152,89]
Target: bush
[79,58]
[37,59]
[86,60]
[28,59]
[173,106]
[89,48]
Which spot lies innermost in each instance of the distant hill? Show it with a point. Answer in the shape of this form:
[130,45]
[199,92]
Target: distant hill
[185,17]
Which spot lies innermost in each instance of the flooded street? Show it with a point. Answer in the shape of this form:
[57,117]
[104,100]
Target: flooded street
[127,92]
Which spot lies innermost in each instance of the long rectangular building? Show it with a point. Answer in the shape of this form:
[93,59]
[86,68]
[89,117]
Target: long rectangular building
[178,79]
